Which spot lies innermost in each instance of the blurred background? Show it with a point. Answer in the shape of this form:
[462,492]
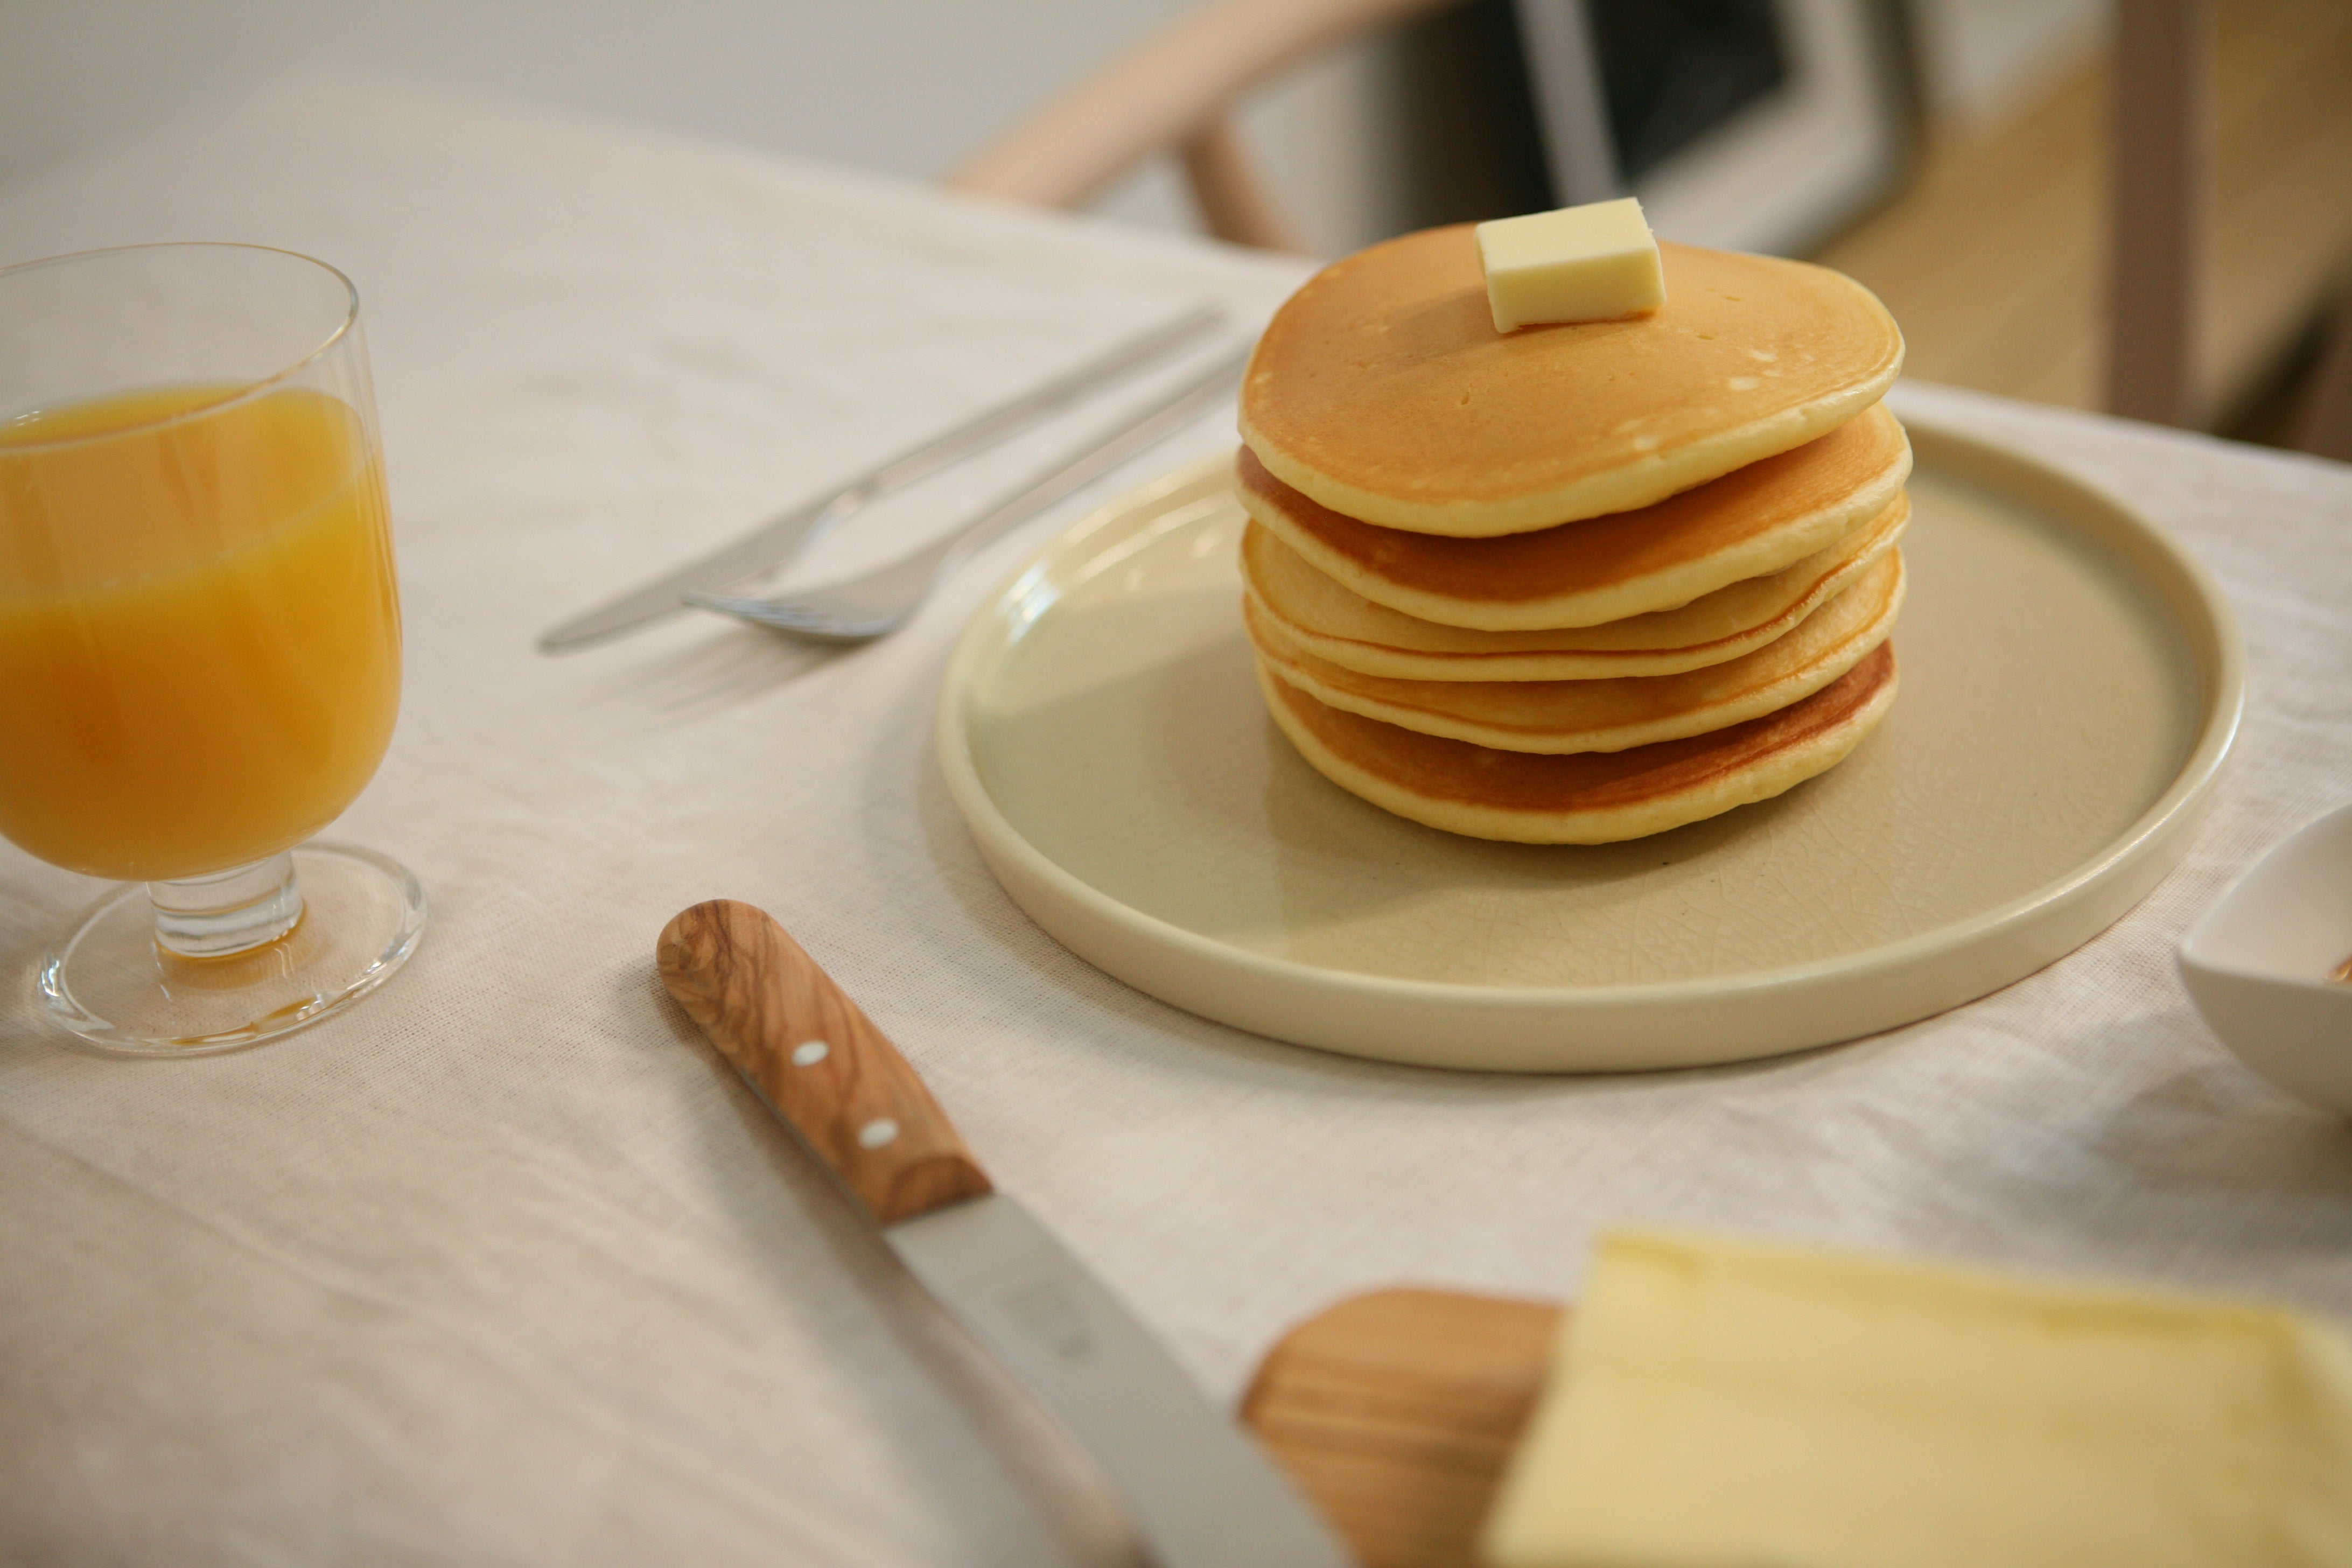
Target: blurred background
[1962,157]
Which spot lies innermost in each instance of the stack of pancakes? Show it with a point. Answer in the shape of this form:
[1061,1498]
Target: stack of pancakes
[1573,584]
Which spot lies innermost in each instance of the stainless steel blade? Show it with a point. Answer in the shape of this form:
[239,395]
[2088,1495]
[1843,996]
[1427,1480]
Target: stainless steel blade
[1200,1492]
[774,544]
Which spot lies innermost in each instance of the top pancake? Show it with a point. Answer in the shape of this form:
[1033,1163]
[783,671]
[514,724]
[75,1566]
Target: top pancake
[1382,391]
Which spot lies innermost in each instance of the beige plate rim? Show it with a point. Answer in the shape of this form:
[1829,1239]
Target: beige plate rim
[1634,1026]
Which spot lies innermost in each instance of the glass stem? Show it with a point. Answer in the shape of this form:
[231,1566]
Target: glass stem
[227,912]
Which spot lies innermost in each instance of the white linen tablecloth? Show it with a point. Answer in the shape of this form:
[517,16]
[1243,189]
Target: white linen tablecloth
[504,1267]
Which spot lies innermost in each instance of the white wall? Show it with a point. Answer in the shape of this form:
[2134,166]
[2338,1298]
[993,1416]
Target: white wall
[903,87]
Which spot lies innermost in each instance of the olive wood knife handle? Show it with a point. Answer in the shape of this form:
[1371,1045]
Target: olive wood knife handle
[821,1063]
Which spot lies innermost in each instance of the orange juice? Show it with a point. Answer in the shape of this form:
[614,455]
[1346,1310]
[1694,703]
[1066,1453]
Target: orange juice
[199,632]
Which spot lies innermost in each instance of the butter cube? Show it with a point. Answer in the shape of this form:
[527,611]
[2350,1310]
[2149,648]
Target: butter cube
[1592,263]
[1718,1404]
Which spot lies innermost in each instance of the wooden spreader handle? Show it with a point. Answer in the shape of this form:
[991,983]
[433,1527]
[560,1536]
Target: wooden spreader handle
[821,1064]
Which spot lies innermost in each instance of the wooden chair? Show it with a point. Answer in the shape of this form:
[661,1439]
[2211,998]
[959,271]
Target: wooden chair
[2164,143]
[1175,89]
[2324,426]
[2163,218]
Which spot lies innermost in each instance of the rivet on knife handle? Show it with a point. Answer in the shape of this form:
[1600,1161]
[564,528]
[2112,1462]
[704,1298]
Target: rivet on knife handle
[821,1062]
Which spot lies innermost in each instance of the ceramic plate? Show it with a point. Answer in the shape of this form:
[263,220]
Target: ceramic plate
[2071,681]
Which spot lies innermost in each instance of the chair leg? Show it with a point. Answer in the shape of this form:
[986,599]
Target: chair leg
[1232,200]
[2162,152]
[2324,426]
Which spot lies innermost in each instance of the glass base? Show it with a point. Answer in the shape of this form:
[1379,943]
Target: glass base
[112,982]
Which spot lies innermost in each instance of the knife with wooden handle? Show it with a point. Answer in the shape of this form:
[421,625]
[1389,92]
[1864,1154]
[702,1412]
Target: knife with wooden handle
[779,541]
[1200,1493]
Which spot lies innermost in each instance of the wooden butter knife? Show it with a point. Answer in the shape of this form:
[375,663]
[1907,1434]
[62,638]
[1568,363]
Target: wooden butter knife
[1200,1493]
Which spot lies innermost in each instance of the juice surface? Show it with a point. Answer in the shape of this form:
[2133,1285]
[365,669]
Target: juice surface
[199,629]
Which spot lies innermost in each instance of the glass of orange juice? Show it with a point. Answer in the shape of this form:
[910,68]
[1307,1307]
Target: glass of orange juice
[199,638]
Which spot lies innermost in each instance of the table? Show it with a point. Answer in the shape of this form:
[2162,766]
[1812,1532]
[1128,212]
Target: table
[504,1267]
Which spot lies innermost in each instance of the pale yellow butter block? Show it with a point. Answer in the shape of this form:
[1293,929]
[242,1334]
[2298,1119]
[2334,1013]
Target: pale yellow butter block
[1718,1404]
[1592,263]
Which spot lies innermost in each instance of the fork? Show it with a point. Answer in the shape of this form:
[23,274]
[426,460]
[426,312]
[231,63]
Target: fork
[776,543]
[879,601]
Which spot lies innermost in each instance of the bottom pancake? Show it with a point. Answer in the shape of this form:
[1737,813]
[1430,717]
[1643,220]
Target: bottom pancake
[1587,797]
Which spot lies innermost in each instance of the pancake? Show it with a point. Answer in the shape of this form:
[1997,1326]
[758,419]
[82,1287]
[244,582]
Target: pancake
[1592,798]
[1331,622]
[1382,391]
[1770,514]
[1564,716]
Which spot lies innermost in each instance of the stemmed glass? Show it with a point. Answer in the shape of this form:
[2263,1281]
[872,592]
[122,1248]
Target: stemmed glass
[199,638]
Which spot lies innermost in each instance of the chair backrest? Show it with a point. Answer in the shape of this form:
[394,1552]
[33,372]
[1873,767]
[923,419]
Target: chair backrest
[1175,88]
[1173,91]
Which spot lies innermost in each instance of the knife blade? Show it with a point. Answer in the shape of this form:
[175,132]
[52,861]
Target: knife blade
[1198,1493]
[774,543]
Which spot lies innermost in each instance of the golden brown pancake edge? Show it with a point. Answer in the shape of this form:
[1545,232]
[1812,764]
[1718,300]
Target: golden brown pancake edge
[1746,524]
[1735,619]
[1588,797]
[1569,716]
